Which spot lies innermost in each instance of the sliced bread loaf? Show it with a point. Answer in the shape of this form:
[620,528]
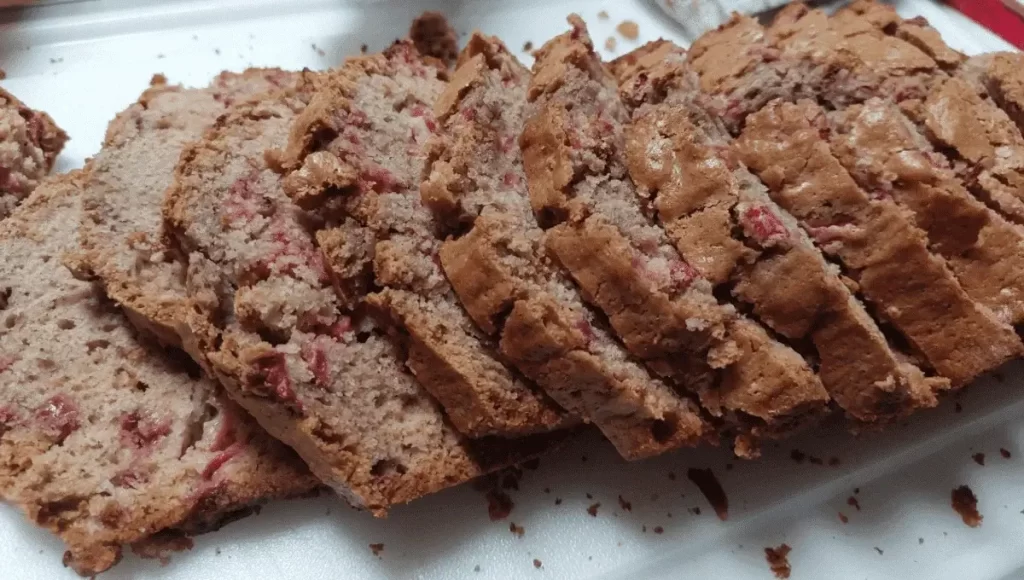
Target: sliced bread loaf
[884,152]
[105,439]
[358,152]
[806,55]
[916,31]
[877,243]
[309,365]
[121,233]
[722,220]
[497,264]
[986,148]
[29,144]
[603,234]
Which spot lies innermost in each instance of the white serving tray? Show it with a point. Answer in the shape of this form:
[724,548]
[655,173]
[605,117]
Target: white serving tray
[84,61]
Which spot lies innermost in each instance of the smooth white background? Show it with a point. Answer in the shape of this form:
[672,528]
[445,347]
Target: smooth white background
[85,61]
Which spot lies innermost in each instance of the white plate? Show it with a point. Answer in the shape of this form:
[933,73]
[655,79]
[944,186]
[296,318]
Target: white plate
[85,61]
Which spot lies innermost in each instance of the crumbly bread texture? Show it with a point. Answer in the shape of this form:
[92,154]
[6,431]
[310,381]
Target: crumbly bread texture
[876,241]
[722,220]
[371,122]
[884,152]
[1001,74]
[105,439]
[304,360]
[986,147]
[29,144]
[602,233]
[916,31]
[807,55]
[998,75]
[496,262]
[121,235]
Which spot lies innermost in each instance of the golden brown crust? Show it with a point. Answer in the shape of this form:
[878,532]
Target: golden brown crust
[336,182]
[880,247]
[501,272]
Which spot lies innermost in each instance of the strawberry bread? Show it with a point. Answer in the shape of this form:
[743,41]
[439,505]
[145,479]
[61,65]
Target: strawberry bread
[884,152]
[106,439]
[722,220]
[29,144]
[121,237]
[306,362]
[806,55]
[497,264]
[876,242]
[358,152]
[603,235]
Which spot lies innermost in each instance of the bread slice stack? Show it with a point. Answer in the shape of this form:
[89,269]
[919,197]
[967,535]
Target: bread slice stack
[398,275]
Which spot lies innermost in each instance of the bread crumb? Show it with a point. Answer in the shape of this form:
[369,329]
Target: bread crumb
[433,36]
[527,46]
[517,531]
[852,502]
[592,510]
[499,505]
[979,458]
[659,530]
[843,518]
[966,504]
[377,549]
[609,44]
[628,29]
[363,49]
[625,505]
[777,560]
[603,15]
[1005,453]
[537,563]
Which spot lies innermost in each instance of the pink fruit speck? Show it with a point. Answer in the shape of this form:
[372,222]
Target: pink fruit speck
[316,362]
[221,458]
[274,369]
[340,328]
[58,416]
[226,433]
[7,361]
[763,225]
[682,274]
[142,432]
[585,329]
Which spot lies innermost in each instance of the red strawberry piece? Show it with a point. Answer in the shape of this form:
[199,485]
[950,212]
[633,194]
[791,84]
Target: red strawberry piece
[58,416]
[142,432]
[316,361]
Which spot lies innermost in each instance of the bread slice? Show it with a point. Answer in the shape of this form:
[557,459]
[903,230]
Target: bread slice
[806,55]
[121,232]
[358,152]
[722,220]
[600,232]
[496,263]
[105,439]
[29,144]
[1000,75]
[916,31]
[986,147]
[876,242]
[315,371]
[883,151]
